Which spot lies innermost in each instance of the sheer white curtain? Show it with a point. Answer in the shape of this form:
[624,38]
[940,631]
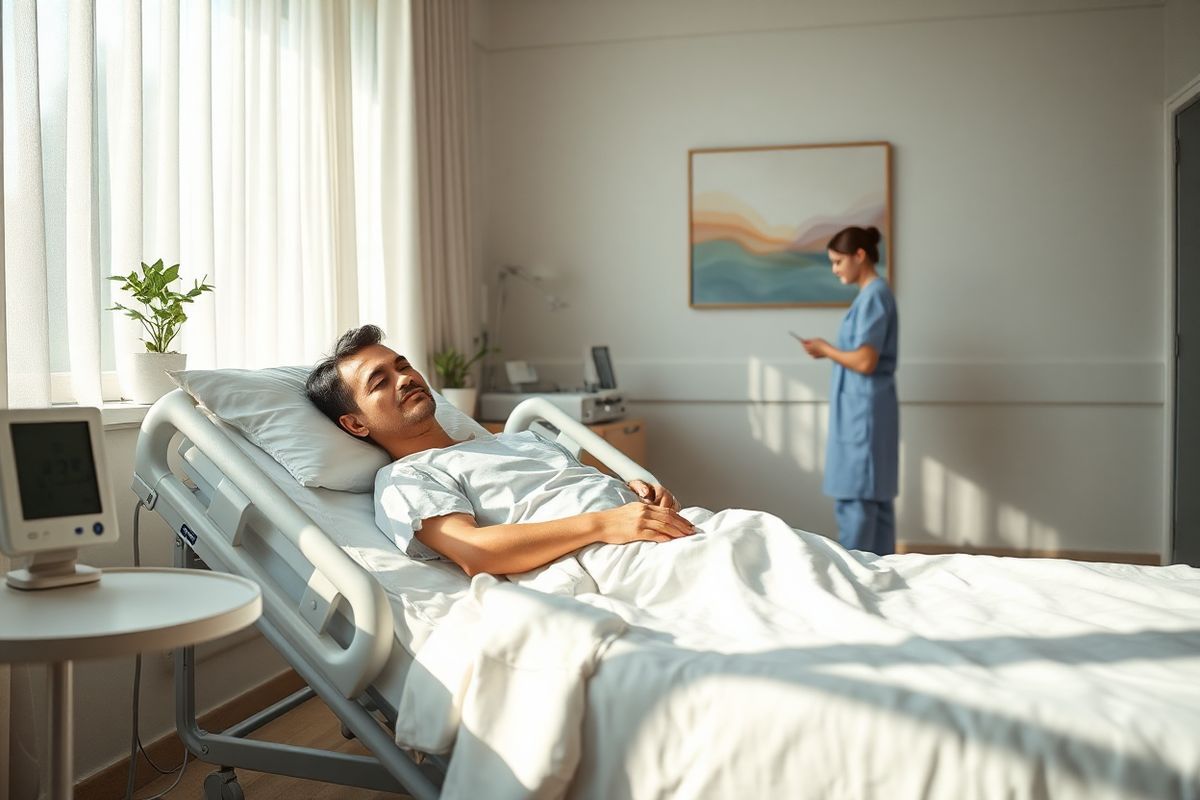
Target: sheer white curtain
[284,170]
[441,62]
[295,183]
[24,241]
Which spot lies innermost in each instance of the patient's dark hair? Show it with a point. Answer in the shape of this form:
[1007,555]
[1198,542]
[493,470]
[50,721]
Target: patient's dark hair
[325,387]
[847,241]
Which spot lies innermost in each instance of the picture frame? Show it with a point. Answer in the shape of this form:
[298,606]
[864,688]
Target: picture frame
[759,220]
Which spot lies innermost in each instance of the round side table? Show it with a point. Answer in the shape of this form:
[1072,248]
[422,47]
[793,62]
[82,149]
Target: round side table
[127,611]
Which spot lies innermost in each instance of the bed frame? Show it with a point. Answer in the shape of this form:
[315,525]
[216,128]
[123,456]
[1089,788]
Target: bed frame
[325,615]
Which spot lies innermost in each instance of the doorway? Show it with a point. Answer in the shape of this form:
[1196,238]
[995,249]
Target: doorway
[1185,527]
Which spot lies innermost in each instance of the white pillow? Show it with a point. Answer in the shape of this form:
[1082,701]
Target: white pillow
[422,592]
[270,408]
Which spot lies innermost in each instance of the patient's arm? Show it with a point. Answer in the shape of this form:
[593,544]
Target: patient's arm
[522,546]
[654,493]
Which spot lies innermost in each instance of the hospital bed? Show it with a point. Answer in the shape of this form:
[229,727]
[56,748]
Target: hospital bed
[964,713]
[229,506]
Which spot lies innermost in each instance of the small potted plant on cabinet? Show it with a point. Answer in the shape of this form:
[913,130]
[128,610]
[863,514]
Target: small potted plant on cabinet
[454,370]
[161,316]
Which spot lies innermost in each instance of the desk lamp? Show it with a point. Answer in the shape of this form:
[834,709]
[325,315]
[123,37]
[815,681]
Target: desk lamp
[55,497]
[511,272]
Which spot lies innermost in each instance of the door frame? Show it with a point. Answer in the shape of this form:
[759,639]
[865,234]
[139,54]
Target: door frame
[1174,104]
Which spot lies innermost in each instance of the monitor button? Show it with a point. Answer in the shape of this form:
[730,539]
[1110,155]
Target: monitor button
[79,531]
[97,529]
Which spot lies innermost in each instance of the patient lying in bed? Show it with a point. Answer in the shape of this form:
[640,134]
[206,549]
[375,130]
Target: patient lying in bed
[815,671]
[500,505]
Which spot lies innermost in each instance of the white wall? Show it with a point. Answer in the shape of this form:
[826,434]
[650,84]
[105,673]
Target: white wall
[1028,232]
[104,688]
[1182,29]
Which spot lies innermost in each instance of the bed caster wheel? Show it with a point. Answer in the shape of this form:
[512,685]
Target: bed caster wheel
[347,733]
[223,785]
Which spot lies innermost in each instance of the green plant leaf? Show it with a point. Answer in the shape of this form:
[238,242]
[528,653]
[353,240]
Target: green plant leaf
[162,313]
[454,367]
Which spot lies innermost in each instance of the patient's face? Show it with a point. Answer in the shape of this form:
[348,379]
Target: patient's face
[392,397]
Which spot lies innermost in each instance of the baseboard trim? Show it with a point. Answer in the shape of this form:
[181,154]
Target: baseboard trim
[1150,559]
[168,750]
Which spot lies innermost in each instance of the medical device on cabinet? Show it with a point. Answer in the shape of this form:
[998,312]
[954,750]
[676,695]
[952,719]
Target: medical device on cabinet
[599,400]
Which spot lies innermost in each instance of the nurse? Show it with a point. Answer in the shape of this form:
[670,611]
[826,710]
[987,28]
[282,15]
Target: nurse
[862,460]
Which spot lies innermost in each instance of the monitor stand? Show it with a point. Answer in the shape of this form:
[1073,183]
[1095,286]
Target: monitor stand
[51,570]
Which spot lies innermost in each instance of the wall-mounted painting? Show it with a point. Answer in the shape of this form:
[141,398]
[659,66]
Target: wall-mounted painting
[760,218]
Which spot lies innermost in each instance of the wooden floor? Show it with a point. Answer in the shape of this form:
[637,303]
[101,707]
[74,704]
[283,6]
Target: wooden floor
[310,725]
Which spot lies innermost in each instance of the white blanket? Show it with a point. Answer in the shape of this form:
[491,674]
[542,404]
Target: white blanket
[754,660]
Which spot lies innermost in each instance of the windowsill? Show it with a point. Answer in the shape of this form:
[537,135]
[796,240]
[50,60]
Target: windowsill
[124,414]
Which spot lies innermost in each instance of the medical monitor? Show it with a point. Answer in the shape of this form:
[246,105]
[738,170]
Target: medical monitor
[55,496]
[602,362]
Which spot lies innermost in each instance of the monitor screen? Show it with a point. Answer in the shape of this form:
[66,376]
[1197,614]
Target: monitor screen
[56,471]
[604,368]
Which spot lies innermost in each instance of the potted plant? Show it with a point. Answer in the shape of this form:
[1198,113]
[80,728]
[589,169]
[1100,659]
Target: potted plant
[161,317]
[454,370]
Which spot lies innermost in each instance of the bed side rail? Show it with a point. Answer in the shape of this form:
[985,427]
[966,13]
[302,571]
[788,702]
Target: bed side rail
[352,668]
[534,409]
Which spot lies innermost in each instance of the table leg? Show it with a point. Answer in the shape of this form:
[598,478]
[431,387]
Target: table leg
[60,754]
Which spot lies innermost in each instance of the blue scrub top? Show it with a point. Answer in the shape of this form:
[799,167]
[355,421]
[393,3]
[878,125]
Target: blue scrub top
[862,461]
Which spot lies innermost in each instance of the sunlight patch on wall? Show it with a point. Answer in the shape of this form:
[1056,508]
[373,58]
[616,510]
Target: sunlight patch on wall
[966,509]
[766,419]
[1017,529]
[933,496]
[1043,536]
[806,439]
[957,510]
[786,415]
[1013,525]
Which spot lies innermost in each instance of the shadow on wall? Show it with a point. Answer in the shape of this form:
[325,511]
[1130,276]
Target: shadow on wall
[944,497]
[953,508]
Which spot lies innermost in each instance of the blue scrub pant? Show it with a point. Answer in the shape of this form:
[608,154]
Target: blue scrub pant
[868,525]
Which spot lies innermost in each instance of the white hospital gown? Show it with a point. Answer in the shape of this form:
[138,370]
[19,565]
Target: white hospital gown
[511,477]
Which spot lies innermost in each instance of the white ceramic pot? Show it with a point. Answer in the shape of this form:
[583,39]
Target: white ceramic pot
[462,399]
[148,378]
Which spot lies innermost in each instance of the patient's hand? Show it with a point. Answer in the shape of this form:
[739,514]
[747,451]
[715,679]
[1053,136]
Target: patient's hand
[655,494]
[641,522]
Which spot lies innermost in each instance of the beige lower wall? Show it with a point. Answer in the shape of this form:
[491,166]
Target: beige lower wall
[1024,477]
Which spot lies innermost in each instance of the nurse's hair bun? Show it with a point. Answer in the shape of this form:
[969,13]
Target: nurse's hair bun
[849,241]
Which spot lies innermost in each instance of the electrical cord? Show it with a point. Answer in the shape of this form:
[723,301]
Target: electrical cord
[137,670]
[178,778]
[135,742]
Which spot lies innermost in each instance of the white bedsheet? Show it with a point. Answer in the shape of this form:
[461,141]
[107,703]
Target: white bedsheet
[755,661]
[752,660]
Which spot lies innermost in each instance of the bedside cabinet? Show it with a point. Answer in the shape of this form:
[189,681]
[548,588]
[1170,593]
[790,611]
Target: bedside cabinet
[627,435]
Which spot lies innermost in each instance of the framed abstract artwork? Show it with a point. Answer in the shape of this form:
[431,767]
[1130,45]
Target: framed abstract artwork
[759,219]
